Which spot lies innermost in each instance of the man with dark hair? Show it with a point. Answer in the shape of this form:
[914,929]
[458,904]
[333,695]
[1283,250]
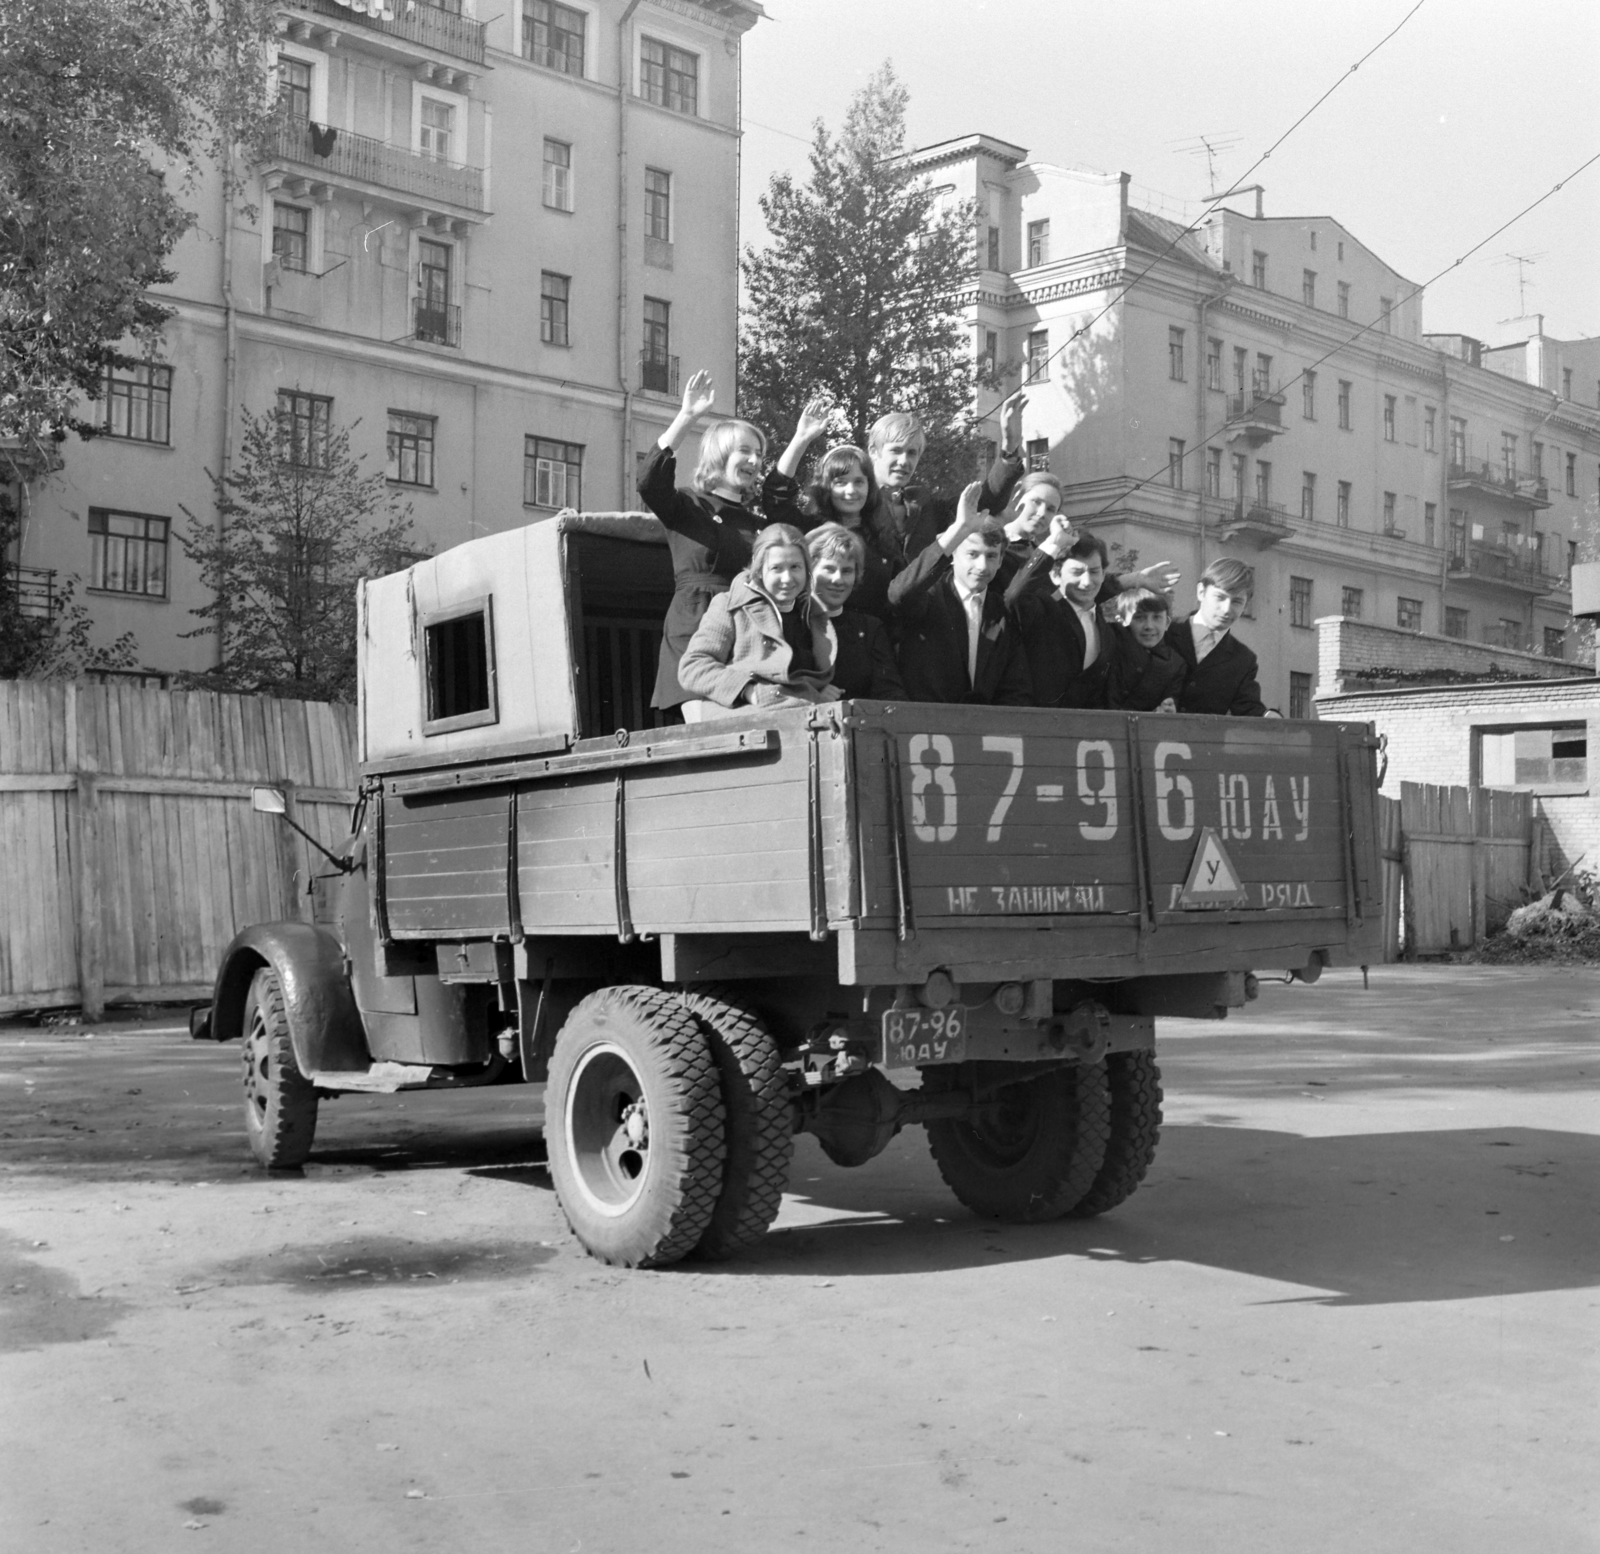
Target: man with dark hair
[956,641]
[1222,670]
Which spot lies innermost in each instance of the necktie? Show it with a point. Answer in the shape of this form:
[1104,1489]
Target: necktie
[1091,637]
[974,606]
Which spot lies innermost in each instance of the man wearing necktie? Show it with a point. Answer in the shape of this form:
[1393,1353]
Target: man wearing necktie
[1222,670]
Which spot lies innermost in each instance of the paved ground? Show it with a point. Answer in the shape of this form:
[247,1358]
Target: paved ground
[1354,1308]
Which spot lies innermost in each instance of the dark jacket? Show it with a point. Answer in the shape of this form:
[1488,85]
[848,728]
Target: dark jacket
[709,541]
[931,634]
[1223,682]
[1141,678]
[739,647]
[865,665]
[1053,638]
[784,502]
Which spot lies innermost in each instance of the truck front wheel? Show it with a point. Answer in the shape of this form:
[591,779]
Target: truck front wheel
[280,1104]
[1033,1151]
[635,1130]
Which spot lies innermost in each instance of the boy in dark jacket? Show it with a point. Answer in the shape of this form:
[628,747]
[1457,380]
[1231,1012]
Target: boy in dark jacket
[1146,675]
[1222,670]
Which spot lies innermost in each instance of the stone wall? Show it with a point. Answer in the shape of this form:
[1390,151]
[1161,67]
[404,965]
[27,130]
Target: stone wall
[1348,650]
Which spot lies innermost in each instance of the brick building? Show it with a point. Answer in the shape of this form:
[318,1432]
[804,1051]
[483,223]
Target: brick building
[486,238]
[1230,402]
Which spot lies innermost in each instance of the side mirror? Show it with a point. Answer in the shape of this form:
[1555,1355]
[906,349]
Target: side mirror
[268,801]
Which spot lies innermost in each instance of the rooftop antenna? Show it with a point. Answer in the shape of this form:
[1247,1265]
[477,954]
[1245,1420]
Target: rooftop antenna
[1209,146]
[1522,262]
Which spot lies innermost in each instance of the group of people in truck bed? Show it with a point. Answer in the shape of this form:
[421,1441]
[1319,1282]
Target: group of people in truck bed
[859,585]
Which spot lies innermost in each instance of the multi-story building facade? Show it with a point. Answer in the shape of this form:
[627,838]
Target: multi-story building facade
[483,242]
[1262,388]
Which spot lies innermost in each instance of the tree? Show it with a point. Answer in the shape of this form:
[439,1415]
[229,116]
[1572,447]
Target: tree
[300,525]
[857,295]
[104,102]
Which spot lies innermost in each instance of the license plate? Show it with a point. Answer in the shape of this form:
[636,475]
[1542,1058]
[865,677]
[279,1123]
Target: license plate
[912,1037]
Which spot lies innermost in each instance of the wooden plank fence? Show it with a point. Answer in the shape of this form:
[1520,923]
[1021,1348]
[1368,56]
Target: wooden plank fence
[129,853]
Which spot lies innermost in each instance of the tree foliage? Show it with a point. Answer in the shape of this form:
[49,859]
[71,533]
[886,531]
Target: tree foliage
[107,105]
[857,294]
[294,539]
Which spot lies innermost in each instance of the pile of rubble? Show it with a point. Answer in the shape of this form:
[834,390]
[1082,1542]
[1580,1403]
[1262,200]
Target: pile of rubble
[1559,926]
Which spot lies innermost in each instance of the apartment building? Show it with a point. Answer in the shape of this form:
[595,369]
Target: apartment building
[1264,389]
[489,239]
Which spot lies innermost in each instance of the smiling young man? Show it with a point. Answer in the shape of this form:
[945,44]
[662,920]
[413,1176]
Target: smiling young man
[1222,670]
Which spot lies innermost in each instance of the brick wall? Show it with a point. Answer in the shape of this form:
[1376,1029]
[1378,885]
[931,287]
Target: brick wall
[1430,731]
[1346,648]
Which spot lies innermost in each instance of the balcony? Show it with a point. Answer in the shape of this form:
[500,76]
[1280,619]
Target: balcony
[415,31]
[1255,417]
[35,591]
[1517,568]
[658,373]
[376,169]
[434,325]
[1257,523]
[1490,479]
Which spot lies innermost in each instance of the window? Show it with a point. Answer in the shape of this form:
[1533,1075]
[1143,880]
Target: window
[1408,614]
[1566,383]
[1385,309]
[410,449]
[1388,417]
[1258,270]
[1214,472]
[1308,288]
[1308,395]
[989,354]
[658,204]
[1213,364]
[1456,622]
[1299,694]
[669,77]
[1556,756]
[1241,466]
[127,553]
[1538,461]
[1039,242]
[1175,463]
[1241,368]
[1430,523]
[558,175]
[294,88]
[291,235]
[1458,536]
[1344,404]
[552,473]
[1308,496]
[458,667]
[1175,355]
[437,129]
[1342,505]
[1350,603]
[1388,512]
[139,403]
[552,36]
[1344,297]
[1263,482]
[1262,383]
[303,428]
[1572,474]
[435,319]
[1555,642]
[993,254]
[659,376]
[1038,453]
[1430,428]
[1341,250]
[1038,356]
[1312,238]
[1300,602]
[555,297]
[1572,556]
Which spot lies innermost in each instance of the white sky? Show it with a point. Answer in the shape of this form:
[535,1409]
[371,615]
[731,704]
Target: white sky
[1471,111]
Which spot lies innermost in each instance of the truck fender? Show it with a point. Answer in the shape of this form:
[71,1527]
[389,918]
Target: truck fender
[324,1024]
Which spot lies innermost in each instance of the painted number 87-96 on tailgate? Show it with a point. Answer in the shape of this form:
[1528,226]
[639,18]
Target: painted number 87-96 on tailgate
[915,1036]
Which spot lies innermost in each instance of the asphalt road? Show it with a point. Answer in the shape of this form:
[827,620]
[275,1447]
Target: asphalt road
[1353,1308]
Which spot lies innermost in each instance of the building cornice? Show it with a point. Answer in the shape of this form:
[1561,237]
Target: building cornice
[735,16]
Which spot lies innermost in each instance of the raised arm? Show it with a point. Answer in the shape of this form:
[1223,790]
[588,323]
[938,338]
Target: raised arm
[812,424]
[909,586]
[699,395]
[1006,470]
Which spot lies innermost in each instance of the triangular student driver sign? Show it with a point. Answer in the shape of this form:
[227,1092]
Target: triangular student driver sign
[1213,880]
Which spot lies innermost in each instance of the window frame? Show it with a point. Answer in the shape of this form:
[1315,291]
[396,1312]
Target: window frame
[1389,417]
[427,620]
[1346,387]
[1456,615]
[1258,269]
[145,541]
[1571,786]
[1038,242]
[1176,449]
[1308,496]
[1349,596]
[530,25]
[130,391]
[306,212]
[1301,593]
[1176,338]
[534,445]
[416,440]
[319,433]
[1407,613]
[1302,690]
[554,171]
[1308,395]
[547,306]
[1036,368]
[658,203]
[1341,505]
[1308,288]
[648,85]
[1213,363]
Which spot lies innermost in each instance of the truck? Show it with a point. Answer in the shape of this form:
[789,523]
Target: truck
[701,940]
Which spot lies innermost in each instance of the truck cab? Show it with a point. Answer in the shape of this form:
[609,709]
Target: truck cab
[844,919]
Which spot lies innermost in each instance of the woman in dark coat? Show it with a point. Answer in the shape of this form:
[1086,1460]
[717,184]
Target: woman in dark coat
[709,526]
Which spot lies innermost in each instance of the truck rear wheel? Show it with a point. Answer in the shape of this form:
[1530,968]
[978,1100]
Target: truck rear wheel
[1135,1084]
[280,1104]
[1032,1152]
[635,1127]
[760,1123]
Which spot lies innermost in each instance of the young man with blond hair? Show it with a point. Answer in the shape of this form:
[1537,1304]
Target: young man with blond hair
[1222,670]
